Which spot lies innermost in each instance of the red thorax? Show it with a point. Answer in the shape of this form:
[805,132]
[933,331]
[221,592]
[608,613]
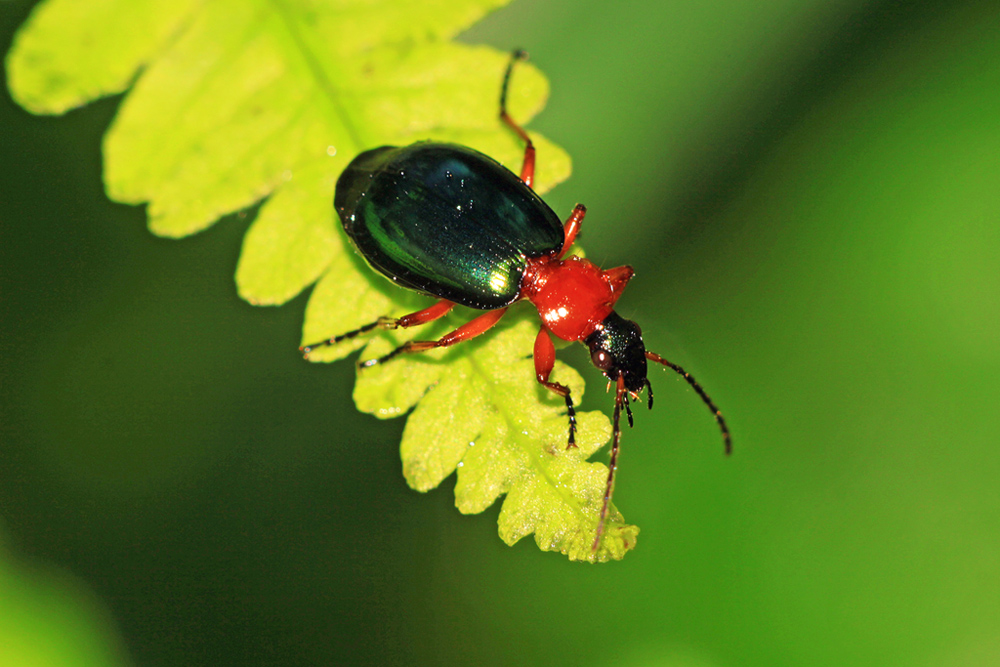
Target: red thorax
[573,296]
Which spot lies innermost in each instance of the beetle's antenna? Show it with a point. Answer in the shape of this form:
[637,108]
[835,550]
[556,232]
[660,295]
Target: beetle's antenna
[727,440]
[620,396]
[649,388]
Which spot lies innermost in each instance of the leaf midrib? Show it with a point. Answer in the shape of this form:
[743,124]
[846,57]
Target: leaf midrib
[301,46]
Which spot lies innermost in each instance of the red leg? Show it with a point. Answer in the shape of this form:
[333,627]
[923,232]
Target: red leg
[438,310]
[528,166]
[471,329]
[572,228]
[545,359]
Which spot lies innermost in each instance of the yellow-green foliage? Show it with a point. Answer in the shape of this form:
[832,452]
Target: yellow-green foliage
[235,101]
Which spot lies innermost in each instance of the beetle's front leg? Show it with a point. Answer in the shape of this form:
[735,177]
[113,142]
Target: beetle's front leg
[545,360]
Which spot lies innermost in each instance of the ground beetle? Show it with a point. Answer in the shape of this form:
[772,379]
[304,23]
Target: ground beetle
[452,223]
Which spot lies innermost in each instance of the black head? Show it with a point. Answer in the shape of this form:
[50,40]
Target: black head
[616,348]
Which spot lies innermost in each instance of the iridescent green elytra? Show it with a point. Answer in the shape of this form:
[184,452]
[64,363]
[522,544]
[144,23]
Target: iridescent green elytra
[445,220]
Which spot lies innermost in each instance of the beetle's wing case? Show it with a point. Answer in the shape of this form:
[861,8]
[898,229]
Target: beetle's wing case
[445,220]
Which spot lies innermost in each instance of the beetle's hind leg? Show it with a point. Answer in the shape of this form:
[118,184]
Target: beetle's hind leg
[306,349]
[437,311]
[528,166]
[470,329]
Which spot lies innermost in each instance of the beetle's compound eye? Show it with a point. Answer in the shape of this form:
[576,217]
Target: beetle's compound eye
[602,359]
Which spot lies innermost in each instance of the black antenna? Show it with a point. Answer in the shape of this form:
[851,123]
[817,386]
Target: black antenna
[620,396]
[727,440]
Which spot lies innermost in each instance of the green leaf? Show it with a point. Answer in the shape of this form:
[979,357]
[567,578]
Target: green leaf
[480,411]
[72,52]
[236,101]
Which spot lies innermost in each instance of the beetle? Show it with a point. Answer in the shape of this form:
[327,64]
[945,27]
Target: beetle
[455,224]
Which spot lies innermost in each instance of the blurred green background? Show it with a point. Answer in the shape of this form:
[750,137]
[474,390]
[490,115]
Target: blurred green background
[810,195]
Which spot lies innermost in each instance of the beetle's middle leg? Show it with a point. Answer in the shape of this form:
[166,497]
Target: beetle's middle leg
[429,314]
[470,329]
